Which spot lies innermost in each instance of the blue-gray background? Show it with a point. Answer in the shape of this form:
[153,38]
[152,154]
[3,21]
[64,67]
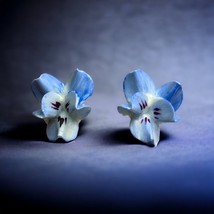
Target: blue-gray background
[105,168]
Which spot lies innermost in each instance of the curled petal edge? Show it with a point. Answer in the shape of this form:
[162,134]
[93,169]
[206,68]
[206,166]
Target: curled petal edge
[80,113]
[82,84]
[165,111]
[173,92]
[125,110]
[51,104]
[44,84]
[137,81]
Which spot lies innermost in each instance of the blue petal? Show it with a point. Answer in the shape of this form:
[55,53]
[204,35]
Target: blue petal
[82,84]
[44,84]
[172,92]
[137,81]
[77,112]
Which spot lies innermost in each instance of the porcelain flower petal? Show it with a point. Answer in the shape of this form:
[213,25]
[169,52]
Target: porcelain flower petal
[82,84]
[137,81]
[147,132]
[148,108]
[64,109]
[44,84]
[125,110]
[65,115]
[157,107]
[51,104]
[76,111]
[172,92]
[145,120]
[67,131]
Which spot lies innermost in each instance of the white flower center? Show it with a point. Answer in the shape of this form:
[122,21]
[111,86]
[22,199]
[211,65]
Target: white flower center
[63,108]
[149,110]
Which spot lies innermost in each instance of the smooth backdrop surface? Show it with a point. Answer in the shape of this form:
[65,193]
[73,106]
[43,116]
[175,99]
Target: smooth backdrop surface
[105,168]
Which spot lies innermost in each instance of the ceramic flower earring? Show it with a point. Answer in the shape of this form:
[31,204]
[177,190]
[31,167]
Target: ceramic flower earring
[148,107]
[62,106]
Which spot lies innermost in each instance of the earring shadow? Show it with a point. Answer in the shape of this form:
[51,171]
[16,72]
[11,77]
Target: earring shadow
[82,125]
[124,136]
[33,131]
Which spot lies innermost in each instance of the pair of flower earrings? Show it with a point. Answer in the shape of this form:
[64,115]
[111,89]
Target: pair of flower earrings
[63,108]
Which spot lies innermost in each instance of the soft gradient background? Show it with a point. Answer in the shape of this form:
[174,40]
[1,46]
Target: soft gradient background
[105,168]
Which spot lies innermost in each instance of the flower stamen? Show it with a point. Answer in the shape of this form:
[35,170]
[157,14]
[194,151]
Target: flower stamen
[56,105]
[66,106]
[156,111]
[146,120]
[143,105]
[61,121]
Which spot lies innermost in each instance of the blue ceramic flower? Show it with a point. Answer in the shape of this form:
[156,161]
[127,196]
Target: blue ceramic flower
[148,107]
[62,106]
